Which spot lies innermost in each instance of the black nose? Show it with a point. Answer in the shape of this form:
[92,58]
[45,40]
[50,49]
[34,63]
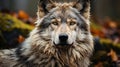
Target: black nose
[63,37]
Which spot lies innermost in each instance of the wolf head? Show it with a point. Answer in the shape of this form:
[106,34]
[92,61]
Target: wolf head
[62,35]
[83,6]
[63,23]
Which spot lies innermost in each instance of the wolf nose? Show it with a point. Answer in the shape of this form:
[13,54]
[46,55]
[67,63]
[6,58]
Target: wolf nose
[63,37]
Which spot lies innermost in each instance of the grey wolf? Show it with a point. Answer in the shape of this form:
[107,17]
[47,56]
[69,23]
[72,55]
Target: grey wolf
[61,37]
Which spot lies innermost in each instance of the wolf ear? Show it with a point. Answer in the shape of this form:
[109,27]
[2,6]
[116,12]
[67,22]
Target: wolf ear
[84,7]
[44,6]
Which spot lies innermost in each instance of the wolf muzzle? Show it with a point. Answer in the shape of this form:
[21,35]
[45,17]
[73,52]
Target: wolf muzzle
[63,39]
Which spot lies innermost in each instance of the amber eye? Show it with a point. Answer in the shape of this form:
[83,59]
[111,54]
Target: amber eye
[72,23]
[55,23]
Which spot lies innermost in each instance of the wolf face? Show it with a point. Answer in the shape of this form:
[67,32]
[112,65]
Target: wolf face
[61,37]
[65,24]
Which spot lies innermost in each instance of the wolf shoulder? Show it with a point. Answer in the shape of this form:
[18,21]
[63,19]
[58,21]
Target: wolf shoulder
[7,58]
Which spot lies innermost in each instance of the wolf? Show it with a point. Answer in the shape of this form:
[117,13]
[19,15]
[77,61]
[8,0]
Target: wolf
[61,37]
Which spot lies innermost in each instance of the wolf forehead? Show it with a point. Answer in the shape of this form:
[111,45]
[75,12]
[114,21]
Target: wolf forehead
[64,12]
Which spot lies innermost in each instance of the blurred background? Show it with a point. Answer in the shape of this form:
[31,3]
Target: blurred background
[17,19]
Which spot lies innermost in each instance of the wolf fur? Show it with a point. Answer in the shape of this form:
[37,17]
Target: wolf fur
[38,50]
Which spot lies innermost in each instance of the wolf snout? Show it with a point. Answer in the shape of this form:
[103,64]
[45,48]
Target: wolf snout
[63,37]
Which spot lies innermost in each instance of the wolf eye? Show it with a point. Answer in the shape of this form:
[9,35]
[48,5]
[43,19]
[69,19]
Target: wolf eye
[72,23]
[55,23]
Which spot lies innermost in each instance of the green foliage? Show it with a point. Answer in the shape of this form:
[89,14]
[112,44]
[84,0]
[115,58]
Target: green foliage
[10,30]
[108,44]
[8,23]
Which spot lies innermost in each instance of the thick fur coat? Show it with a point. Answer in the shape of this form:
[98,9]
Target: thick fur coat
[43,47]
